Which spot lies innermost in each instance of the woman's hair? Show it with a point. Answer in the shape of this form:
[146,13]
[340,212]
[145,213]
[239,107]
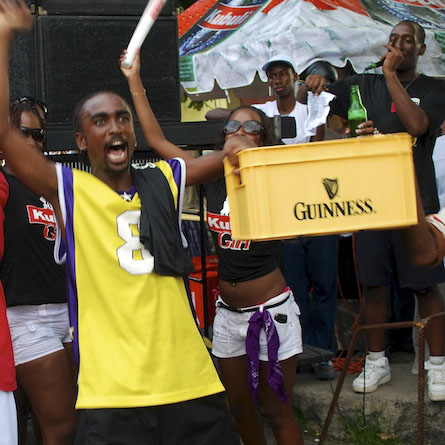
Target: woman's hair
[17,108]
[268,136]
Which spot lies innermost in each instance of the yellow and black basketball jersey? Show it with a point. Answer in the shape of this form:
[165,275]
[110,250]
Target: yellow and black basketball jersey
[134,333]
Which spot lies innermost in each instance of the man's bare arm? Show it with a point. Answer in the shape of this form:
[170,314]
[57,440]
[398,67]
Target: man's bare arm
[413,117]
[29,165]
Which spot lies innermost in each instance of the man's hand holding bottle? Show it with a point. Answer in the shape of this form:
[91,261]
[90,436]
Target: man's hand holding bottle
[316,84]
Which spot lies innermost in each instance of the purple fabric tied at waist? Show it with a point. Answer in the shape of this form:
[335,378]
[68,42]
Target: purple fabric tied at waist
[262,319]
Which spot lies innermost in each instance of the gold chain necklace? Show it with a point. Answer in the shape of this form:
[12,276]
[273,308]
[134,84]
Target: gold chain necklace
[411,81]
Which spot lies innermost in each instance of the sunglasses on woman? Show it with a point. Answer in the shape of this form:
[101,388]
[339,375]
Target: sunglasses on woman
[34,102]
[38,134]
[250,127]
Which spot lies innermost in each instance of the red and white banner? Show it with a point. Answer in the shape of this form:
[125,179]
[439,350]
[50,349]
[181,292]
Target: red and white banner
[229,40]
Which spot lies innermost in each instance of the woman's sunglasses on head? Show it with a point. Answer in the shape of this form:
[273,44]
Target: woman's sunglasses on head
[38,134]
[250,127]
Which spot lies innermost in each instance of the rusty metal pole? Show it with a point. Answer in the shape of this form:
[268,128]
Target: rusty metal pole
[420,383]
[340,381]
[420,378]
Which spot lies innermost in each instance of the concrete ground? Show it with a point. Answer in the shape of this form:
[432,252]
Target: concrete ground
[395,404]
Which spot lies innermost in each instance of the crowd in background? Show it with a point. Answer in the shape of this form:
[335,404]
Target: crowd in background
[93,265]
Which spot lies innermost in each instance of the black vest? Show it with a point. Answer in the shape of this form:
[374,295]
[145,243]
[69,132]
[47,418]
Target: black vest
[28,271]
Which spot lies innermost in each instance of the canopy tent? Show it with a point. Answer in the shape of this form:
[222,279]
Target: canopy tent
[228,41]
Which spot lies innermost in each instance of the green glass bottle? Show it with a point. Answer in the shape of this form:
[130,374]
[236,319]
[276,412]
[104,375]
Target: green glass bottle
[357,112]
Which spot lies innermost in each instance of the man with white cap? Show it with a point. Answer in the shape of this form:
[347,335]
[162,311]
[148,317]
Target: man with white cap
[282,76]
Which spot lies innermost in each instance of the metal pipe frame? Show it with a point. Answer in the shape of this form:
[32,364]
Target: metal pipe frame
[421,325]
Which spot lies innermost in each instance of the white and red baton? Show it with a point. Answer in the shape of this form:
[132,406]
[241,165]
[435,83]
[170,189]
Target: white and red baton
[148,17]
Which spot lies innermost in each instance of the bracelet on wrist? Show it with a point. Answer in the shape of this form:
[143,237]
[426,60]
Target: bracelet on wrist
[138,94]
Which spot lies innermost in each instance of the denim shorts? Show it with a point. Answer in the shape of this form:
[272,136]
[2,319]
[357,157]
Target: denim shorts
[38,330]
[230,329]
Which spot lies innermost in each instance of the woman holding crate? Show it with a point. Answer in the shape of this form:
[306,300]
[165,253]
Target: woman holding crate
[257,333]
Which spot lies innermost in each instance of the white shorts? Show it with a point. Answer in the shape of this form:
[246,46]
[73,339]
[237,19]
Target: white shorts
[37,331]
[8,419]
[230,329]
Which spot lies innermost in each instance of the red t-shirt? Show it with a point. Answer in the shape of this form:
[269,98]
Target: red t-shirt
[7,368]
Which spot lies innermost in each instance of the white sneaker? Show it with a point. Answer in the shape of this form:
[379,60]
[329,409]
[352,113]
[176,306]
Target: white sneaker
[436,381]
[376,372]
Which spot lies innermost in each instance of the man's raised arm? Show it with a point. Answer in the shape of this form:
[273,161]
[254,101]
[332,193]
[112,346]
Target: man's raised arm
[29,165]
[413,117]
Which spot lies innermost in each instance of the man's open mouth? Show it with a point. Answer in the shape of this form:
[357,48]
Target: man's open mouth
[117,150]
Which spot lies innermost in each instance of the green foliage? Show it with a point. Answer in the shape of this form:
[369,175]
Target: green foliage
[302,420]
[196,105]
[359,430]
[368,430]
[184,4]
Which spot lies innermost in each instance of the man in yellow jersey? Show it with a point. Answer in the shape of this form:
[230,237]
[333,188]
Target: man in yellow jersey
[145,376]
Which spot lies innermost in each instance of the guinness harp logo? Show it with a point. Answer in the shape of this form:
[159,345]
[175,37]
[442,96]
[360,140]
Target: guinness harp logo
[331,186]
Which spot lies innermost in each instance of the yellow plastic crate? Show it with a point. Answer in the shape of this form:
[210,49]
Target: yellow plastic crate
[319,188]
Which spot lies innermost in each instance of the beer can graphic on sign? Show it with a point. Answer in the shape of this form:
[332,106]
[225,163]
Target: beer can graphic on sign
[428,13]
[217,24]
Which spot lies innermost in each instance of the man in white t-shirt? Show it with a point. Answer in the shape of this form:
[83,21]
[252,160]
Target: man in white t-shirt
[282,77]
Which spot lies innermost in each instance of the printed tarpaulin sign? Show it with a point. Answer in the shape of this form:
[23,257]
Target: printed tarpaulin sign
[217,24]
[230,40]
[428,13]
